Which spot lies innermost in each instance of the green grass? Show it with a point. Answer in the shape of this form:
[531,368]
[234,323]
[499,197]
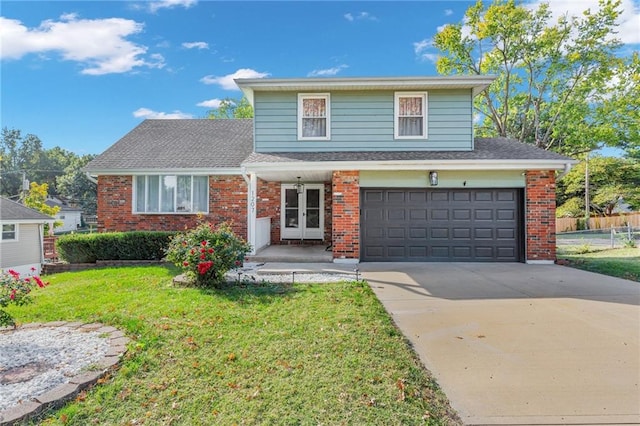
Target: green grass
[621,262]
[266,354]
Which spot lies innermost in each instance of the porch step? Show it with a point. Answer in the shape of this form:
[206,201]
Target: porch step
[292,254]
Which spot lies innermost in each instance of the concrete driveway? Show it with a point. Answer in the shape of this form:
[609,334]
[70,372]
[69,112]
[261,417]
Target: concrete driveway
[520,344]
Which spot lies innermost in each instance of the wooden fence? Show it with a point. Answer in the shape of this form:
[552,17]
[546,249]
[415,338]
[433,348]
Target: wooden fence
[566,224]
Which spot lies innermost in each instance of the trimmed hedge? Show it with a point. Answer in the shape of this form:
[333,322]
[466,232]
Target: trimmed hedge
[137,245]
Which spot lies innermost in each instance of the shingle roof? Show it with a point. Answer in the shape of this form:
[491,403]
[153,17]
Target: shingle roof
[12,211]
[179,144]
[485,149]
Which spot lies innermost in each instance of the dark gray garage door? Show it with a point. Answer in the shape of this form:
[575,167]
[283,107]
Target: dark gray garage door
[460,225]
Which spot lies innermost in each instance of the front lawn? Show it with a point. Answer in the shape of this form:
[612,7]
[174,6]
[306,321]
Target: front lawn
[621,262]
[266,354]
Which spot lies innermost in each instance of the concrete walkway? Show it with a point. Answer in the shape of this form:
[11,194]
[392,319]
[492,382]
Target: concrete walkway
[520,344]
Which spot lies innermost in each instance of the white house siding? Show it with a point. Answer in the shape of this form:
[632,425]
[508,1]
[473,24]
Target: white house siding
[363,121]
[25,253]
[71,220]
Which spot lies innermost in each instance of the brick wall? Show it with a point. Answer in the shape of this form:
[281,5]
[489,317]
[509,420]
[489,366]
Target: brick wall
[346,214]
[227,203]
[268,205]
[540,219]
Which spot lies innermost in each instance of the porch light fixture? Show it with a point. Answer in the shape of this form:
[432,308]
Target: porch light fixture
[299,186]
[433,178]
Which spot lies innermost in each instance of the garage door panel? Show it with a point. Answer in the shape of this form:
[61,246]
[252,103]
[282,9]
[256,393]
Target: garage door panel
[396,233]
[461,214]
[439,214]
[481,225]
[417,233]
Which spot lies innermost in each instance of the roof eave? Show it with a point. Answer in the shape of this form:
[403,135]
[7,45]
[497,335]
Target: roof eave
[411,165]
[476,83]
[181,171]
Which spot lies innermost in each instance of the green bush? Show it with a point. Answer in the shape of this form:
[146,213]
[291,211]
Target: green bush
[206,253]
[137,245]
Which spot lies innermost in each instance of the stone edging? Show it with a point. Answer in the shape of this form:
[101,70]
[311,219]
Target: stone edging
[59,395]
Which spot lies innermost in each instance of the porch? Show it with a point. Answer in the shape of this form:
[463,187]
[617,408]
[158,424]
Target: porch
[293,254]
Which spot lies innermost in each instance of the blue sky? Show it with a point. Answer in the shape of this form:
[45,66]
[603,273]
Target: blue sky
[81,74]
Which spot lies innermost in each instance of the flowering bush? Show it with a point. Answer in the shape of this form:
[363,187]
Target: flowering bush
[15,290]
[206,253]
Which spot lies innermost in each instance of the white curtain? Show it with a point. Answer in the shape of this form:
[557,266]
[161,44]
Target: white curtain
[410,116]
[314,117]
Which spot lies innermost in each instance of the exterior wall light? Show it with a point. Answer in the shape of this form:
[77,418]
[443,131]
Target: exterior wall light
[299,186]
[433,178]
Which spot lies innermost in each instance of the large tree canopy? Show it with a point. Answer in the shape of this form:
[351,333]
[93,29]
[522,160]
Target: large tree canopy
[232,108]
[560,85]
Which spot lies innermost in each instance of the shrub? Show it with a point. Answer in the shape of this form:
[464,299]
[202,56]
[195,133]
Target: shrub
[206,253]
[15,290]
[137,245]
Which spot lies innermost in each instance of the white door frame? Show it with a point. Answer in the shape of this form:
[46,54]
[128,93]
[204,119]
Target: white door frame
[298,228]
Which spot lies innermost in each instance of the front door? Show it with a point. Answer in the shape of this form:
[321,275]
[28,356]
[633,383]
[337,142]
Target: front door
[302,213]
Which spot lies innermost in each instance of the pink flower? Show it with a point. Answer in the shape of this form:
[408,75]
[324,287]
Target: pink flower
[39,281]
[14,274]
[238,263]
[203,250]
[33,269]
[203,256]
[12,296]
[204,267]
[210,250]
[204,243]
[185,263]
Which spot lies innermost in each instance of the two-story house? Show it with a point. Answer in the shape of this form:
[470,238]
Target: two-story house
[379,169]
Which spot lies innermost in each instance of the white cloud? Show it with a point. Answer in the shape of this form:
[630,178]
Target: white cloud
[448,12]
[147,113]
[328,71]
[421,49]
[362,16]
[629,20]
[226,81]
[100,45]
[211,103]
[195,45]
[154,6]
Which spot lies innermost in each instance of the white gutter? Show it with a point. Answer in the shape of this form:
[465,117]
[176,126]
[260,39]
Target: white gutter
[410,165]
[177,171]
[567,169]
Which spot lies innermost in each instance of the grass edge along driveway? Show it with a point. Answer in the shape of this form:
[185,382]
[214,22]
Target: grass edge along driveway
[262,354]
[617,262]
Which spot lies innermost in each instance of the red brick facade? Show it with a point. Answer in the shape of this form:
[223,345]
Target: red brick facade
[346,215]
[227,203]
[540,219]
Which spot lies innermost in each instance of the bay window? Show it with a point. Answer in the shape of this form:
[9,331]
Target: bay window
[171,194]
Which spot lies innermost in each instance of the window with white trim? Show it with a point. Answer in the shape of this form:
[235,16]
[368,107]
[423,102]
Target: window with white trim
[314,116]
[410,115]
[171,194]
[9,232]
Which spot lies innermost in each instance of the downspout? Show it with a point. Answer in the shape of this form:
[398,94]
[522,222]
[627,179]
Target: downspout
[91,178]
[567,169]
[251,223]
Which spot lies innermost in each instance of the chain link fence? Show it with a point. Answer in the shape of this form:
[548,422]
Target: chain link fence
[613,237]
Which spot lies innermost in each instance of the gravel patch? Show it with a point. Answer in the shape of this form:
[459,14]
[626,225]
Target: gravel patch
[34,361]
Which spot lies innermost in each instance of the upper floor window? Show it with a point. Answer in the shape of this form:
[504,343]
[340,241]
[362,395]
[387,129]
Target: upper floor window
[9,232]
[171,194]
[410,115]
[314,112]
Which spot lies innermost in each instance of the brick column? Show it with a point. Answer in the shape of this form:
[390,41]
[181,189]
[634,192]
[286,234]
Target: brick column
[345,216]
[540,220]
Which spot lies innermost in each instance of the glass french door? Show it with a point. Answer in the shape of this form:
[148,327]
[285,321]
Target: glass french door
[302,214]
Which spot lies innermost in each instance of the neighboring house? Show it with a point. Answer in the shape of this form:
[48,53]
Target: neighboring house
[70,217]
[379,169]
[21,246]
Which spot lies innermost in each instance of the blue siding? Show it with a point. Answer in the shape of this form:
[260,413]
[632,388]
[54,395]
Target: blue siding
[363,121]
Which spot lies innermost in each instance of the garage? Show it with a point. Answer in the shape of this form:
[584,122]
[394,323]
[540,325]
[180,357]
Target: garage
[441,225]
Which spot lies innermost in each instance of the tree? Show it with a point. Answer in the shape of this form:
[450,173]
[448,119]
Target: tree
[553,80]
[611,180]
[36,199]
[75,185]
[232,108]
